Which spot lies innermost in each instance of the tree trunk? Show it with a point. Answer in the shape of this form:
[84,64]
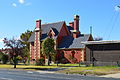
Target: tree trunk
[14,65]
[48,60]
[15,62]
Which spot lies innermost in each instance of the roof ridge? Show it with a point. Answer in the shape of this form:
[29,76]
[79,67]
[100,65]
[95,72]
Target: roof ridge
[52,23]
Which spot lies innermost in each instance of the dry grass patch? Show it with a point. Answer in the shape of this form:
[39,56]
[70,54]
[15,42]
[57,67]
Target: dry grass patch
[92,70]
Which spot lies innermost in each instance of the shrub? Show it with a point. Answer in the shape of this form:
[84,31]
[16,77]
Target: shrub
[40,62]
[19,58]
[4,58]
[1,54]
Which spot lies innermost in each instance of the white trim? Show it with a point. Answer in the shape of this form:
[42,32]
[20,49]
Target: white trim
[100,42]
[37,29]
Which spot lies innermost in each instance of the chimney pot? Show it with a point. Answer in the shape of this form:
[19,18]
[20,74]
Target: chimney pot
[76,17]
[38,23]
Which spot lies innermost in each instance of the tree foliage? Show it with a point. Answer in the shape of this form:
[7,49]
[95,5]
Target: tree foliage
[15,46]
[1,54]
[98,39]
[4,57]
[48,48]
[25,37]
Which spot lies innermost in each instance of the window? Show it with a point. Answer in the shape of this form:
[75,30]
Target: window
[73,53]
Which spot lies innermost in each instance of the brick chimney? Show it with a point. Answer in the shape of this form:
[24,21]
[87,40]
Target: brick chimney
[38,24]
[76,22]
[37,39]
[76,31]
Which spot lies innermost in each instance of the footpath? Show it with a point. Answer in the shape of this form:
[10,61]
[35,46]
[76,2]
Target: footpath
[117,75]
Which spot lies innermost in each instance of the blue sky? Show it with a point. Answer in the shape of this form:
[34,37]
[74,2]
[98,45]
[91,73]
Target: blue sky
[16,16]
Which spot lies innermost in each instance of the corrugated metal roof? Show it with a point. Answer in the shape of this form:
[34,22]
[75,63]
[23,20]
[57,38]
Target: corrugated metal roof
[101,42]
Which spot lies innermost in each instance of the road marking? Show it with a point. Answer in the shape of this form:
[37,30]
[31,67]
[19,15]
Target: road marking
[44,72]
[29,72]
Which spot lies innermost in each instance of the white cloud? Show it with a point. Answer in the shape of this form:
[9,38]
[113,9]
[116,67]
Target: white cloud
[22,1]
[13,4]
[117,8]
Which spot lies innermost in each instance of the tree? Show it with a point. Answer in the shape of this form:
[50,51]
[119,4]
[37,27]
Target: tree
[1,54]
[4,58]
[25,37]
[15,46]
[48,48]
[98,39]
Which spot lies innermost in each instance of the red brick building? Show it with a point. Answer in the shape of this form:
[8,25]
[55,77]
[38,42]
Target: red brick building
[68,40]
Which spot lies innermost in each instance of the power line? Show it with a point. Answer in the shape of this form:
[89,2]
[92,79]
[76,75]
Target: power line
[113,25]
[108,24]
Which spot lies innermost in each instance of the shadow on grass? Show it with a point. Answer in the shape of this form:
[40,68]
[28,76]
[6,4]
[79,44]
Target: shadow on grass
[67,66]
[46,69]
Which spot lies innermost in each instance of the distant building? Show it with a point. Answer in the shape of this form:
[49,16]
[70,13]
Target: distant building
[68,40]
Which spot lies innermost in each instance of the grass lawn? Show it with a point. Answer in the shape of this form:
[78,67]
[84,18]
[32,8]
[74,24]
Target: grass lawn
[69,69]
[101,70]
[31,67]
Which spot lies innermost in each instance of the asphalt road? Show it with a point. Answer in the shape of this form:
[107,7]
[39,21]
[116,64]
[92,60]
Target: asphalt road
[12,74]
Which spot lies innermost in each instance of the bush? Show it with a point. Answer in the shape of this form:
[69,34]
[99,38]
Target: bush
[40,62]
[4,58]
[1,54]
[19,58]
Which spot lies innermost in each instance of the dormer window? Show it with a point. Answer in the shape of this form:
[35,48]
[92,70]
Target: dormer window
[51,33]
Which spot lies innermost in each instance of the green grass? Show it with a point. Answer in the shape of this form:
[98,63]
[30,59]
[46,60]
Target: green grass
[6,66]
[103,70]
[34,67]
[25,66]
[69,69]
[67,65]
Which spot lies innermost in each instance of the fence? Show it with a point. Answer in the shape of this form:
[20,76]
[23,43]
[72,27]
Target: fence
[98,63]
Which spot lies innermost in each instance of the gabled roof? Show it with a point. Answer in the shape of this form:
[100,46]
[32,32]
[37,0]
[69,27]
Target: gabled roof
[69,42]
[70,28]
[55,31]
[32,37]
[56,27]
